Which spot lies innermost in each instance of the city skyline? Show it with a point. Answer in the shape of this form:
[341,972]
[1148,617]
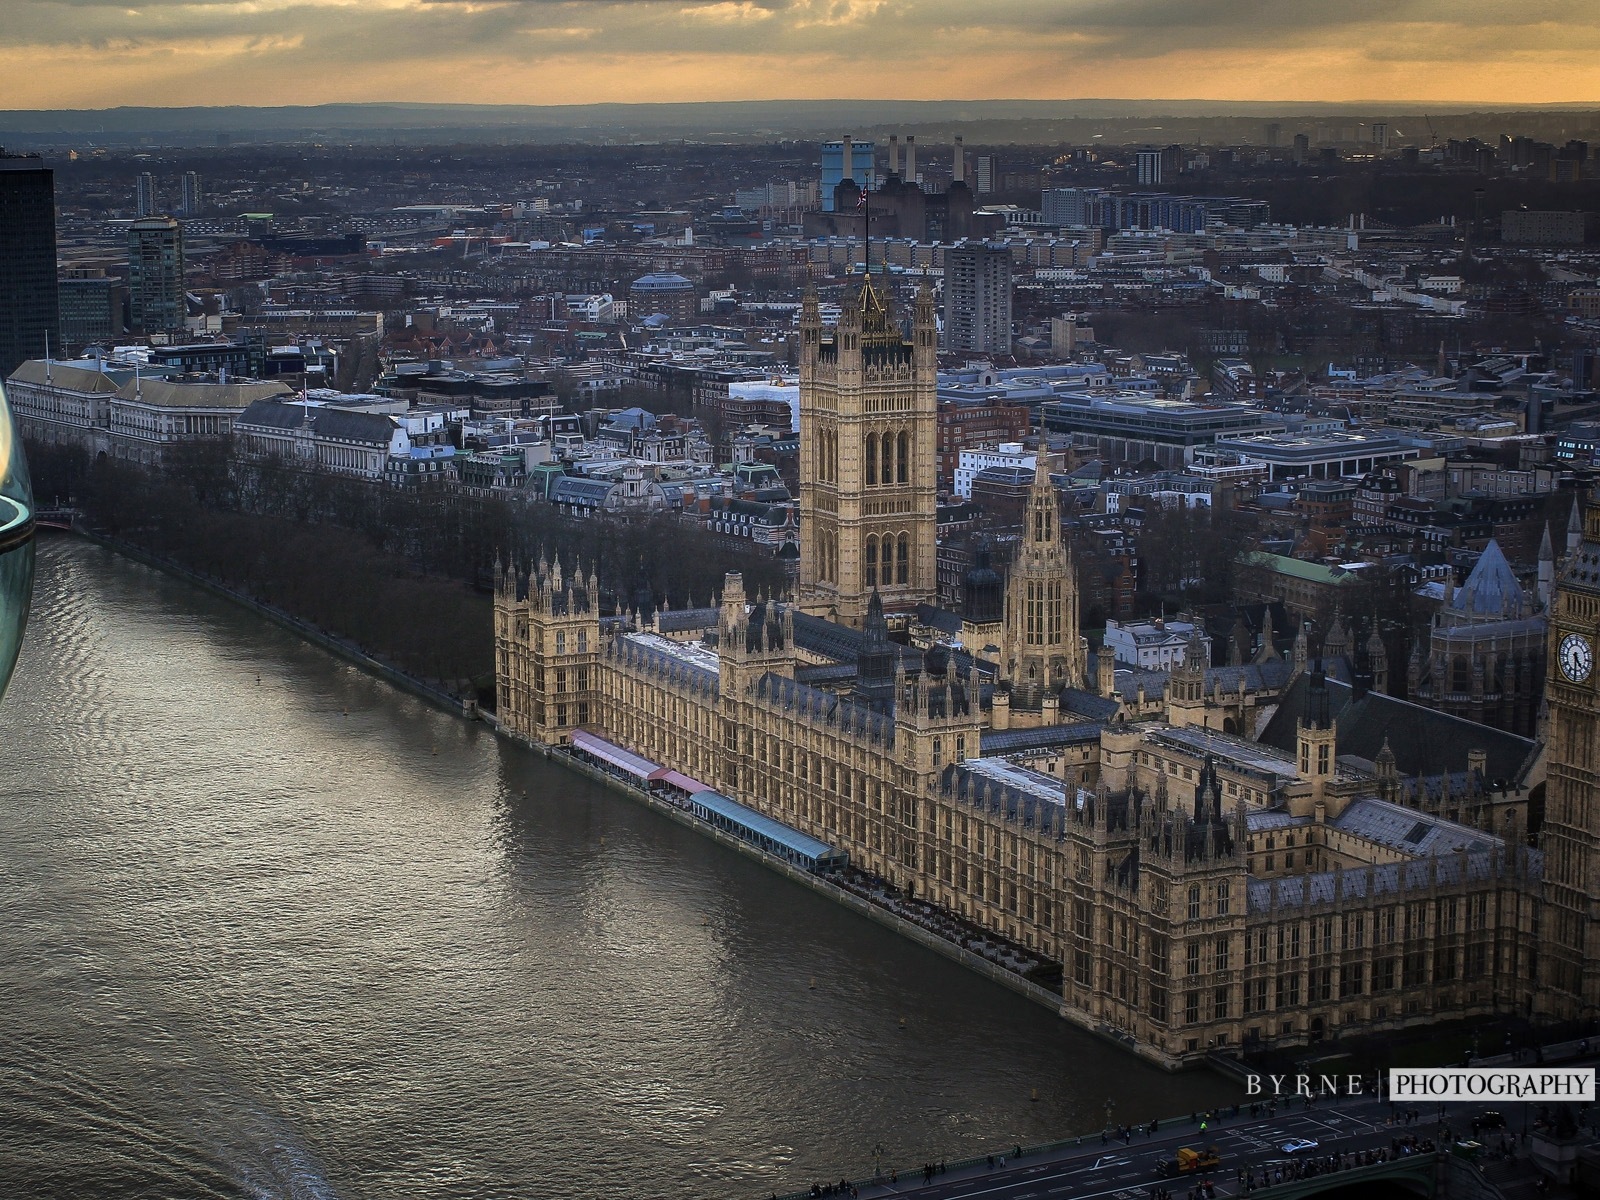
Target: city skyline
[177,52]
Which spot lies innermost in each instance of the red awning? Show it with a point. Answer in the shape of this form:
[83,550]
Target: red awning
[686,783]
[623,760]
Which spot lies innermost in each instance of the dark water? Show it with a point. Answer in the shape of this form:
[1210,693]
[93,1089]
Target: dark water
[253,946]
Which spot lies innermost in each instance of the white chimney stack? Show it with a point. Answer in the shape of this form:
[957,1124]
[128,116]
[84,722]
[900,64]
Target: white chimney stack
[846,173]
[958,169]
[911,157]
[894,153]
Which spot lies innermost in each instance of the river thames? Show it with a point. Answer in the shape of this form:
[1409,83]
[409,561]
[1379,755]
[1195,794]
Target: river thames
[270,927]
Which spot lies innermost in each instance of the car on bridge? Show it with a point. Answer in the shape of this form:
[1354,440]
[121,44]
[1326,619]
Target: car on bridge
[1299,1146]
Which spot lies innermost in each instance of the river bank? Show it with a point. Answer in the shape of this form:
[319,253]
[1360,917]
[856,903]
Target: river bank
[874,909]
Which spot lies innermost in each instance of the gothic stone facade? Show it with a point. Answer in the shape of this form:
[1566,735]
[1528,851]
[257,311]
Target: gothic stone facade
[1198,891]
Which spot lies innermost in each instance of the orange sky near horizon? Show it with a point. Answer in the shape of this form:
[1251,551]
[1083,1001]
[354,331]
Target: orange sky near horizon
[100,53]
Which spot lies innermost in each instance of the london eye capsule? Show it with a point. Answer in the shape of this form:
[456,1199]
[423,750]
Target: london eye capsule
[16,543]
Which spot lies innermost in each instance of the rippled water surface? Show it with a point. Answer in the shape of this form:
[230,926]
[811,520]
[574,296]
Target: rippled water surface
[269,927]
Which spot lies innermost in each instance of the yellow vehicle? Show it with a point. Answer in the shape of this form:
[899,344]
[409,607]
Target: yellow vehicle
[1190,1162]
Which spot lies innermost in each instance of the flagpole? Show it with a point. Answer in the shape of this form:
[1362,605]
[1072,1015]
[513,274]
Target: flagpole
[866,223]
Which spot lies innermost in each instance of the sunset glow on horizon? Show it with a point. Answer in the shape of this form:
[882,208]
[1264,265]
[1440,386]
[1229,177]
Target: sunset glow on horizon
[95,54]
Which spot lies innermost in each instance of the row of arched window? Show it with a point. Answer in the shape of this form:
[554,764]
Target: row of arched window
[827,456]
[888,458]
[888,559]
[827,552]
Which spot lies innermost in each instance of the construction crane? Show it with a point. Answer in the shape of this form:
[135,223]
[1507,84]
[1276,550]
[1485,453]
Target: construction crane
[1433,143]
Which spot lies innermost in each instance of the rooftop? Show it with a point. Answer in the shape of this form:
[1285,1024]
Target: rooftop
[1409,830]
[1024,779]
[690,654]
[1225,747]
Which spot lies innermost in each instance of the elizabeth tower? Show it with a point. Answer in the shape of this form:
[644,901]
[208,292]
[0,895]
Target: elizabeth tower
[1570,927]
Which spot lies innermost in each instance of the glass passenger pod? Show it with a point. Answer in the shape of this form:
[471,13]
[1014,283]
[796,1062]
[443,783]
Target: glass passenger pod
[16,543]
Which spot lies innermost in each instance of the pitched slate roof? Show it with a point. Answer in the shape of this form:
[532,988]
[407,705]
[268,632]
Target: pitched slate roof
[72,379]
[676,620]
[167,393]
[835,710]
[1407,830]
[273,414]
[841,643]
[575,489]
[938,618]
[1269,676]
[1323,887]
[375,429]
[1423,741]
[1088,704]
[337,423]
[1044,737]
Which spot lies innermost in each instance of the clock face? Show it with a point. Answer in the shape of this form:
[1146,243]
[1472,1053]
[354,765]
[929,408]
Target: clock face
[1576,657]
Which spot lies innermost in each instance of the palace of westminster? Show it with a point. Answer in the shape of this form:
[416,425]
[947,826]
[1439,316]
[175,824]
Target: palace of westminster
[1267,853]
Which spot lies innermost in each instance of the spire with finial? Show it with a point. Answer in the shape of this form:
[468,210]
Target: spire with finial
[1385,763]
[1337,642]
[1547,570]
[1377,660]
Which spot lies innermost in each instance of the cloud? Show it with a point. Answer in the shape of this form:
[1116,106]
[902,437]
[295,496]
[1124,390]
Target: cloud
[98,52]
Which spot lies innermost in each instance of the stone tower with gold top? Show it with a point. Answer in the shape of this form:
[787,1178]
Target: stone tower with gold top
[1569,966]
[868,484]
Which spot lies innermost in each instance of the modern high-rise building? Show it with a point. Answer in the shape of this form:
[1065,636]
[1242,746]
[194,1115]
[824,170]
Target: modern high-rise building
[977,298]
[848,159]
[1302,149]
[986,173]
[868,458]
[193,194]
[91,310]
[28,305]
[1380,135]
[1148,163]
[145,195]
[155,276]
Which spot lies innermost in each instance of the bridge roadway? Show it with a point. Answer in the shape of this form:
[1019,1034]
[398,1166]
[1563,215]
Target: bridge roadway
[1115,1171]
[1092,1171]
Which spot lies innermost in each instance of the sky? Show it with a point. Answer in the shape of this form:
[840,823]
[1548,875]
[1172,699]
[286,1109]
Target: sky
[103,53]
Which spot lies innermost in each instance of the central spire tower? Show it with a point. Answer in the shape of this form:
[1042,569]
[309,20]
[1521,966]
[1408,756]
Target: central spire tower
[1043,651]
